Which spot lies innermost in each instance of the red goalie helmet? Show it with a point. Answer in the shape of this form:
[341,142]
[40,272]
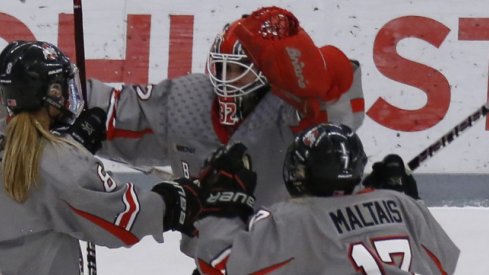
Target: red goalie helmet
[237,82]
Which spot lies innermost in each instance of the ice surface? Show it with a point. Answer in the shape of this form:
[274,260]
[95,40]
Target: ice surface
[467,226]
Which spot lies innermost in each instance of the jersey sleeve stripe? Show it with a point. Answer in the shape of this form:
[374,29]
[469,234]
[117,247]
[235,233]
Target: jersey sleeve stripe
[120,233]
[114,132]
[126,219]
[435,260]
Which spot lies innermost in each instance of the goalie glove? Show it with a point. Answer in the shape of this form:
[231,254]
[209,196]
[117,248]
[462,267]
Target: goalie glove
[183,206]
[298,72]
[390,173]
[228,183]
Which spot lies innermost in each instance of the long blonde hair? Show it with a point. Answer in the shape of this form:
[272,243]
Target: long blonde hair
[24,143]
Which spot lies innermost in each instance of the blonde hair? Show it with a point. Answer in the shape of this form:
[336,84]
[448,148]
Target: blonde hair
[24,143]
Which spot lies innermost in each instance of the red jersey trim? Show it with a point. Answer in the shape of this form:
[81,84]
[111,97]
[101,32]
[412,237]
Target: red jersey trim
[126,219]
[365,190]
[121,133]
[112,131]
[435,260]
[357,105]
[207,268]
[120,233]
[272,268]
[210,270]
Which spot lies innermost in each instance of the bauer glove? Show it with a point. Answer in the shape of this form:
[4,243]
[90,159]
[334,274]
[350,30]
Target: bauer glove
[182,204]
[228,183]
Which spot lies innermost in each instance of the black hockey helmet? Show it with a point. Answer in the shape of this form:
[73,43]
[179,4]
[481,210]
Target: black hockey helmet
[35,73]
[324,160]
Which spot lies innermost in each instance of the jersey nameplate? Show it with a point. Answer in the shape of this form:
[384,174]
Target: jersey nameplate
[367,214]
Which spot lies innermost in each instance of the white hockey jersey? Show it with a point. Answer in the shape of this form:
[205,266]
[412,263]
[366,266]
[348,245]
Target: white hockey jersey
[379,232]
[176,123]
[75,199]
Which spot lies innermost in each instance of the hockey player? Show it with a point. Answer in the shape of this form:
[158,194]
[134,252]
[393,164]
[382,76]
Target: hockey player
[180,122]
[260,96]
[54,192]
[326,227]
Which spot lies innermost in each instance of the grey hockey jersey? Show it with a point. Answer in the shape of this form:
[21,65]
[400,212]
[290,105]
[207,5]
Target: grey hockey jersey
[75,200]
[173,123]
[379,232]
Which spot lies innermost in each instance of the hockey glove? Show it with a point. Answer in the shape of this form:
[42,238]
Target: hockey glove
[297,70]
[89,129]
[391,174]
[228,183]
[182,204]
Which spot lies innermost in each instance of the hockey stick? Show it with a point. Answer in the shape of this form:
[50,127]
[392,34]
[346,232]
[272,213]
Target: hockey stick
[80,46]
[448,137]
[80,62]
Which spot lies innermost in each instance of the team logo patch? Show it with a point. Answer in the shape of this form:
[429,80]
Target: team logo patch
[311,137]
[184,149]
[49,52]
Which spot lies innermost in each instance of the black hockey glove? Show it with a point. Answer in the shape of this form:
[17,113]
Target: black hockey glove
[391,173]
[228,183]
[182,204]
[89,129]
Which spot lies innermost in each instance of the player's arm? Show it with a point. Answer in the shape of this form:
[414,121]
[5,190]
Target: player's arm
[436,245]
[227,188]
[92,205]
[136,121]
[349,108]
[226,245]
[89,204]
[227,195]
[216,236]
